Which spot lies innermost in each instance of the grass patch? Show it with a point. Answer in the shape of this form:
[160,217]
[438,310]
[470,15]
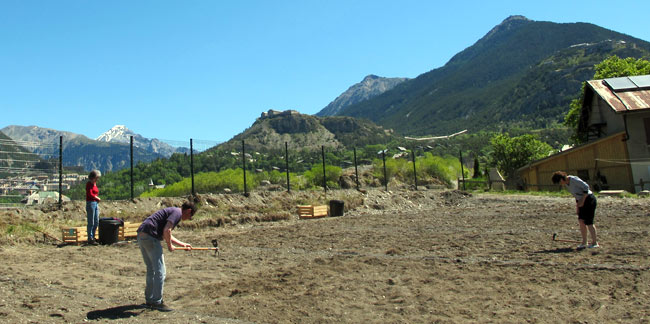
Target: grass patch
[20,232]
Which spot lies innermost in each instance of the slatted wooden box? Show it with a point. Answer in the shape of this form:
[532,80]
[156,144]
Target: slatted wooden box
[312,211]
[129,230]
[78,235]
[75,235]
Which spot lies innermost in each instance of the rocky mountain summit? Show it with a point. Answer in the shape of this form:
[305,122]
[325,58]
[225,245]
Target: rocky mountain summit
[369,87]
[308,132]
[121,134]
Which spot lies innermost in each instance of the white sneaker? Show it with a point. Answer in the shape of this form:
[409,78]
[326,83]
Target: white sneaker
[591,246]
[581,247]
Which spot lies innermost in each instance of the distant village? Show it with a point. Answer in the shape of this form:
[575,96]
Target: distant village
[39,189]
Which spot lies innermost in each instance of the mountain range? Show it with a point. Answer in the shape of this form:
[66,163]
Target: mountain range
[110,152]
[522,73]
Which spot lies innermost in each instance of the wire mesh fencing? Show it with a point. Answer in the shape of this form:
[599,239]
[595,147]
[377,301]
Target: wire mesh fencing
[29,173]
[203,166]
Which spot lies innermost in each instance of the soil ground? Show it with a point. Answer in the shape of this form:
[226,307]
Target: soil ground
[395,257]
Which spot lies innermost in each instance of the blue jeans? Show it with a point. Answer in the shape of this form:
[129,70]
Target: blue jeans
[92,213]
[152,254]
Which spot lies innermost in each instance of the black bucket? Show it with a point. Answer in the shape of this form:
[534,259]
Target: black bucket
[336,208]
[109,231]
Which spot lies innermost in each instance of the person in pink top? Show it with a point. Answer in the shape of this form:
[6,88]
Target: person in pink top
[92,208]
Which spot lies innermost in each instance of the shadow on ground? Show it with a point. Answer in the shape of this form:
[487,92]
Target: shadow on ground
[560,250]
[116,312]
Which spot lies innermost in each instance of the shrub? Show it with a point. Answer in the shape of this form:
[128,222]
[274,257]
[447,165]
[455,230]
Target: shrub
[207,182]
[314,176]
[444,169]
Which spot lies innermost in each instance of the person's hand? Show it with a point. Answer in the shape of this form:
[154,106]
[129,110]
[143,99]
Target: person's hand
[188,246]
[171,248]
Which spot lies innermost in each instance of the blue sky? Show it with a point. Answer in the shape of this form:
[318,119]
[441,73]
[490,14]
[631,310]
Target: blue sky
[206,70]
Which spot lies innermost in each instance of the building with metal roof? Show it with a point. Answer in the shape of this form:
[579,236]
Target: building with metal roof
[615,115]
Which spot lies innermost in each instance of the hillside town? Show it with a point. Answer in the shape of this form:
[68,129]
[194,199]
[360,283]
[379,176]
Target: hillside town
[38,189]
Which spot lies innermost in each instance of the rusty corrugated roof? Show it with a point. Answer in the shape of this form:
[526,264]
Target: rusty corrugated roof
[622,100]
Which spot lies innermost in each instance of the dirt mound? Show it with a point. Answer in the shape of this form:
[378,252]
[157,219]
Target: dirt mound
[454,197]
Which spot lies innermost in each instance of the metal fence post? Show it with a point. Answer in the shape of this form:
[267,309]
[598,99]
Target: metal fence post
[131,167]
[383,157]
[192,164]
[286,157]
[415,175]
[60,172]
[243,158]
[324,178]
[462,169]
[356,171]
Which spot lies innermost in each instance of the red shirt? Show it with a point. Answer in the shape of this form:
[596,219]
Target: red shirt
[91,191]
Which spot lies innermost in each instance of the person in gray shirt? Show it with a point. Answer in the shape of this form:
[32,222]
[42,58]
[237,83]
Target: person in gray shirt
[585,205]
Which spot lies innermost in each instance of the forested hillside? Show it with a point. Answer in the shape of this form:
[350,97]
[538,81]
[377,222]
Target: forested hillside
[522,73]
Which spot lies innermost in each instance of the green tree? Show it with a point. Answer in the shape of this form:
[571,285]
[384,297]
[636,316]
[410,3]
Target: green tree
[511,153]
[477,168]
[612,67]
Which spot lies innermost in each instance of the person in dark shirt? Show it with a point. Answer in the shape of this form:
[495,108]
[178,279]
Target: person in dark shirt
[92,205]
[151,232]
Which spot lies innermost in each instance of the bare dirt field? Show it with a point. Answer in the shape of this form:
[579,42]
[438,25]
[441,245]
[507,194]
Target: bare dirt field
[424,256]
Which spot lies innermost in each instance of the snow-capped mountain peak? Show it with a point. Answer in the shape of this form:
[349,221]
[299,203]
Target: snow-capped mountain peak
[119,133]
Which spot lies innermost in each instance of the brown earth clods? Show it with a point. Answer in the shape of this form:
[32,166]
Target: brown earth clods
[395,257]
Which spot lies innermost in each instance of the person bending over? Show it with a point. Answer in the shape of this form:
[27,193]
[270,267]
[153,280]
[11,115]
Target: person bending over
[152,231]
[585,205]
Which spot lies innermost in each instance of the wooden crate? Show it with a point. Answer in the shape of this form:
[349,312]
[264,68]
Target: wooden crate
[129,230]
[76,235]
[312,211]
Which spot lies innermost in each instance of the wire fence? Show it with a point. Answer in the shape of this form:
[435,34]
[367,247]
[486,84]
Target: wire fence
[34,172]
[198,166]
[27,170]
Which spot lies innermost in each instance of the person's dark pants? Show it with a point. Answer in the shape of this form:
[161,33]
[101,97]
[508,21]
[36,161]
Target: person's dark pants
[588,211]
